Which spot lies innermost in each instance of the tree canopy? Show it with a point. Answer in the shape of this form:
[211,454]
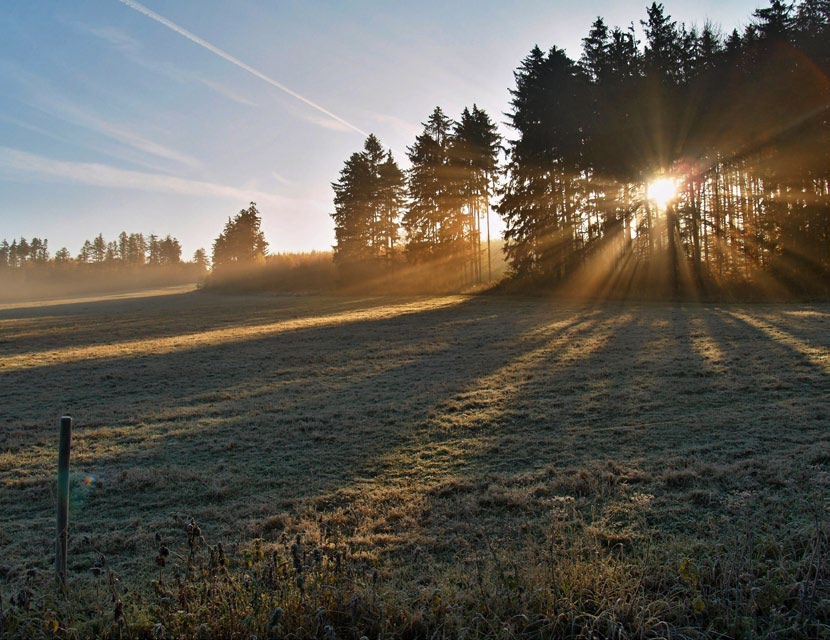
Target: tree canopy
[242,241]
[739,124]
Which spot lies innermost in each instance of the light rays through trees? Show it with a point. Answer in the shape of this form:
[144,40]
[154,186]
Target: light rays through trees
[693,164]
[738,125]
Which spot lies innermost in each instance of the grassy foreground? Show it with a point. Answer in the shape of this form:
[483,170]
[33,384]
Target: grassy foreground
[480,467]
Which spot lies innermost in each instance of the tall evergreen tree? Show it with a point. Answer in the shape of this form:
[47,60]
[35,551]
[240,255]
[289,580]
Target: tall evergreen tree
[200,259]
[170,251]
[540,200]
[368,199]
[391,201]
[662,55]
[474,162]
[433,220]
[242,241]
[775,22]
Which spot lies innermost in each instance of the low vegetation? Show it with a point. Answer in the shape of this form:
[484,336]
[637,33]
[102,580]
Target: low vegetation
[480,467]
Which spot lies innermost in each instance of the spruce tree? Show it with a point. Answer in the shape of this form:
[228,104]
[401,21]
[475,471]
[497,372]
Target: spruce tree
[242,241]
[368,198]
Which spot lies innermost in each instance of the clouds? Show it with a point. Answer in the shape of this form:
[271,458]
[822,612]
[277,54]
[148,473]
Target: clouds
[133,51]
[326,122]
[226,92]
[115,37]
[16,164]
[45,98]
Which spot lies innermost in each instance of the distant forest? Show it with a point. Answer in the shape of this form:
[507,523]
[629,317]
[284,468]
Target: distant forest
[738,122]
[128,250]
[27,268]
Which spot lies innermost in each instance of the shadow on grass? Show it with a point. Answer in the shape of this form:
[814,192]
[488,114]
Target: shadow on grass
[420,429]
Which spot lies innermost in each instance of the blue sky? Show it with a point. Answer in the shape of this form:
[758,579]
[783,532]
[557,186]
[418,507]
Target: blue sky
[111,120]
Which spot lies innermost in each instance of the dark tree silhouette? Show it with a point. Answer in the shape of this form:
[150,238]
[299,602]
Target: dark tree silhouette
[544,186]
[740,124]
[368,199]
[242,242]
[474,150]
[433,224]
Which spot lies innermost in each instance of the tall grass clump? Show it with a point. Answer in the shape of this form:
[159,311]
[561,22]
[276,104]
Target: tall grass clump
[565,580]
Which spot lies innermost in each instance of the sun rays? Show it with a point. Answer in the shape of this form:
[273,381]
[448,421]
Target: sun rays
[661,191]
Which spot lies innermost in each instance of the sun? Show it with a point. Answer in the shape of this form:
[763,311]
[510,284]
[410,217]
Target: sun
[661,191]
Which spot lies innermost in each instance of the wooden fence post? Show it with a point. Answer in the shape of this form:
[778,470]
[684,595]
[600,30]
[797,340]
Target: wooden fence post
[63,501]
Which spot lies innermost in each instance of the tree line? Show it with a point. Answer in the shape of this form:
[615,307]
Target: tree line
[127,250]
[431,213]
[241,243]
[739,122]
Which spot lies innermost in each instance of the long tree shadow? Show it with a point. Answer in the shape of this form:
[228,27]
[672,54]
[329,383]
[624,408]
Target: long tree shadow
[470,439]
[270,420]
[669,400]
[408,426]
[108,321]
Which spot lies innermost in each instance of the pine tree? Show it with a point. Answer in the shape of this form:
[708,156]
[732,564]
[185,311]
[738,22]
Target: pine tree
[99,249]
[170,251]
[154,250]
[596,52]
[433,221]
[539,201]
[776,22]
[368,199]
[242,241]
[474,163]
[662,56]
[62,256]
[200,259]
[353,215]
[391,201]
[85,254]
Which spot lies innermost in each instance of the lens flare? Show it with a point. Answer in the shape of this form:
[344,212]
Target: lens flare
[662,191]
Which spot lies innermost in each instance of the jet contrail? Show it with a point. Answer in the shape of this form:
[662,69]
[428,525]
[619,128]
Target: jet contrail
[224,54]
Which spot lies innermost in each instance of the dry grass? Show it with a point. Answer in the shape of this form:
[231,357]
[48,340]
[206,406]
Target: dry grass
[667,463]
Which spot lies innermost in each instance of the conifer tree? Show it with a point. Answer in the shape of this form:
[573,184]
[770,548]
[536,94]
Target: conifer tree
[474,163]
[433,220]
[368,198]
[242,241]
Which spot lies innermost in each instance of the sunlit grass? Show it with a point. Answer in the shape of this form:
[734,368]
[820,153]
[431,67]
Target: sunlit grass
[189,341]
[818,355]
[57,301]
[480,448]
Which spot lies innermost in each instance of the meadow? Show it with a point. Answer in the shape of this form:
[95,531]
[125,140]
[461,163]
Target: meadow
[456,466]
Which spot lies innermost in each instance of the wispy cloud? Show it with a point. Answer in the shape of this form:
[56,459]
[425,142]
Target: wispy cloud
[115,37]
[133,51]
[28,126]
[228,93]
[43,97]
[132,139]
[14,162]
[235,61]
[281,179]
[327,123]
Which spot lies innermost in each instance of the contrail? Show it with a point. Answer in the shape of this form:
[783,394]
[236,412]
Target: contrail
[224,54]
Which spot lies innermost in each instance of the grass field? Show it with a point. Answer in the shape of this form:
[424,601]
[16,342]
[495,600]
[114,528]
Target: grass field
[659,469]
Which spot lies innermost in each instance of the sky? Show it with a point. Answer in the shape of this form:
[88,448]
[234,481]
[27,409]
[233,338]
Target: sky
[168,117]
